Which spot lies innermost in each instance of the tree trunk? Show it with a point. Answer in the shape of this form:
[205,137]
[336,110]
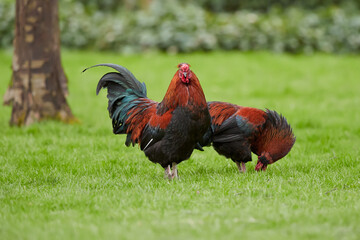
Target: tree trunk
[38,87]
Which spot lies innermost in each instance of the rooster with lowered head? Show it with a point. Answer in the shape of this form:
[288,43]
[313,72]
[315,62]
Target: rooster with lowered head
[168,131]
[237,131]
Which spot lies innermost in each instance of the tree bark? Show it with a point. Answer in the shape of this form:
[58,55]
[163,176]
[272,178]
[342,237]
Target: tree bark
[38,86]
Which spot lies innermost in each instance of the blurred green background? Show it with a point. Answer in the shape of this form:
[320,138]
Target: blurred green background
[131,26]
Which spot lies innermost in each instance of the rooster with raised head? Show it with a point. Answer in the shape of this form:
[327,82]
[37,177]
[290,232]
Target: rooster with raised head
[168,131]
[237,131]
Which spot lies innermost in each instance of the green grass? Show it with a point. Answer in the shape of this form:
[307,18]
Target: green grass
[79,181]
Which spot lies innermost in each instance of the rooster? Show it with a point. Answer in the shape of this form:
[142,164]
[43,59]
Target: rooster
[237,131]
[168,131]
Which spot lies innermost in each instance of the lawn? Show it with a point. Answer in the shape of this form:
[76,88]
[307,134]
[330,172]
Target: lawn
[80,181]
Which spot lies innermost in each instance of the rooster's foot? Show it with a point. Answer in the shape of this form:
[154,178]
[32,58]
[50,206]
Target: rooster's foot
[174,172]
[168,174]
[241,167]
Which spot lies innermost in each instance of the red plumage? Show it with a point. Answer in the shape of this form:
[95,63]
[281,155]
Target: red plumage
[138,117]
[237,131]
[168,131]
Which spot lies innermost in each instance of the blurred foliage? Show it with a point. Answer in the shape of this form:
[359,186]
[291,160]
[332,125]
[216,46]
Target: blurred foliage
[175,26]
[265,5]
[216,5]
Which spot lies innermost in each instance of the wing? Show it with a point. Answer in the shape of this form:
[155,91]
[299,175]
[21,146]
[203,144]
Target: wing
[234,128]
[144,125]
[134,116]
[225,124]
[233,123]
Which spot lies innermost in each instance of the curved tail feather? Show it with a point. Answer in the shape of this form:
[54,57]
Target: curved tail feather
[127,97]
[129,78]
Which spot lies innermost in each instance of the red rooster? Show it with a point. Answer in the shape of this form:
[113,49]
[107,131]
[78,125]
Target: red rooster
[237,131]
[168,131]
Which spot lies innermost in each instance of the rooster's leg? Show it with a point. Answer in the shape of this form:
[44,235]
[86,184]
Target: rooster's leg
[174,172]
[241,167]
[168,173]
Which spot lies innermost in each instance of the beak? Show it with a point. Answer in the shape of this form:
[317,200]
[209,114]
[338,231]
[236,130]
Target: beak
[258,166]
[185,74]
